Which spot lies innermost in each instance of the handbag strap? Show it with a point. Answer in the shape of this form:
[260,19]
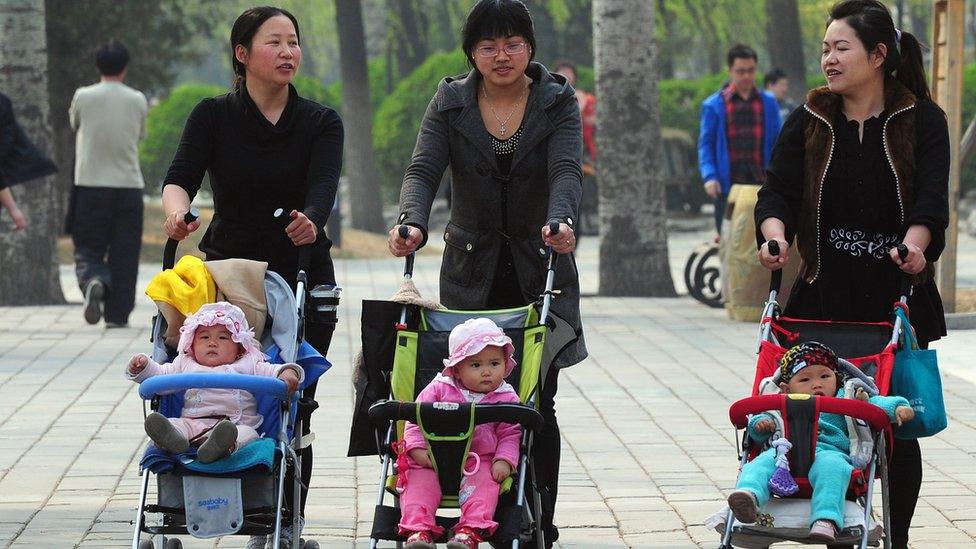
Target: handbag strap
[907,337]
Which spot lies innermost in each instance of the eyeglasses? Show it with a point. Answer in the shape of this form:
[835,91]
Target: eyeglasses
[745,71]
[510,49]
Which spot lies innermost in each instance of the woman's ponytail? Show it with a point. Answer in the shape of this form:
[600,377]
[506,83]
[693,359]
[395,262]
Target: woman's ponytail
[910,71]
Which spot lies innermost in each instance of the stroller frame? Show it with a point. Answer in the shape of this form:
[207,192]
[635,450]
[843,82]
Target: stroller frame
[881,428]
[385,413]
[290,457]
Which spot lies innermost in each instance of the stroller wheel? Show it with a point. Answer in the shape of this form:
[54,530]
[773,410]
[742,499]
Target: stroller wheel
[310,544]
[174,543]
[146,544]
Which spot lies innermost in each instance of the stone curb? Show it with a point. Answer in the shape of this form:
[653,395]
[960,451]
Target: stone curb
[960,321]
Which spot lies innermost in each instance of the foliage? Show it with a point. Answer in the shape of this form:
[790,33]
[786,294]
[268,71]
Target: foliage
[397,121]
[311,88]
[164,126]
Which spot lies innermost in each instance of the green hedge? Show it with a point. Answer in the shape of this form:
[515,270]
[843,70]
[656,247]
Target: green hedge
[164,127]
[397,121]
[376,73]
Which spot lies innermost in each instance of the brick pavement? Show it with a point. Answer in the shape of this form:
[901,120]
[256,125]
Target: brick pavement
[647,448]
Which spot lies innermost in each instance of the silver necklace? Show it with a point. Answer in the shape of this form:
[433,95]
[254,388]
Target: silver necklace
[502,124]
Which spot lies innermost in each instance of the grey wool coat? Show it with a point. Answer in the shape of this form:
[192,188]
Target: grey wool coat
[544,185]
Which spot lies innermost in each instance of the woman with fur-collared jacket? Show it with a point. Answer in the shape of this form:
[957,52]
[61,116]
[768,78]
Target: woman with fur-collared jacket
[862,168]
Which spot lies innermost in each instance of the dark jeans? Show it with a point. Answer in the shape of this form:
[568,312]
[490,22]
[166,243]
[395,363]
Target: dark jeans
[107,234]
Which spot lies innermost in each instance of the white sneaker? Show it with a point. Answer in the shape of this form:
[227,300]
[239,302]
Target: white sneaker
[287,535]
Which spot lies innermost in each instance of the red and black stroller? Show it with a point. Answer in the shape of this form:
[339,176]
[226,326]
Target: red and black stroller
[868,349]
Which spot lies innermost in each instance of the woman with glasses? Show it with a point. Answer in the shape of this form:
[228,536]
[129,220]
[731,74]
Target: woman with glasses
[510,130]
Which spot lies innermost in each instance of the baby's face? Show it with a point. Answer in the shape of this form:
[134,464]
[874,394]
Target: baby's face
[483,372]
[815,379]
[213,346]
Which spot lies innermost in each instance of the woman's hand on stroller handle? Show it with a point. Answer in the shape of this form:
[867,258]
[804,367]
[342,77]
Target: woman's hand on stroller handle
[774,253]
[180,223]
[560,237]
[404,240]
[301,230]
[909,257]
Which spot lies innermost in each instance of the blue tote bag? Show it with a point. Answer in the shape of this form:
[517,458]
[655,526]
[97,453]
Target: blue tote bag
[916,377]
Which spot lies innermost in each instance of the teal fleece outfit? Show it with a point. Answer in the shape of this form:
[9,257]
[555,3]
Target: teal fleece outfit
[830,473]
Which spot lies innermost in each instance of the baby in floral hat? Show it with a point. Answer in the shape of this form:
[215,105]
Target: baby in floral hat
[475,371]
[215,339]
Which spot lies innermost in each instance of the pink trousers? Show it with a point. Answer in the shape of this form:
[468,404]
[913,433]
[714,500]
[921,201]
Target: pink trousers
[192,428]
[422,494]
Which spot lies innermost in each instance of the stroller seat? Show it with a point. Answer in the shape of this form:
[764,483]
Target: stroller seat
[241,494]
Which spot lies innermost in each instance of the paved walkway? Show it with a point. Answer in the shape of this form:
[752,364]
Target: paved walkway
[647,447]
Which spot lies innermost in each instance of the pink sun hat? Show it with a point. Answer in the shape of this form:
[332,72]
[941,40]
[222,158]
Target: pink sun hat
[471,337]
[219,314]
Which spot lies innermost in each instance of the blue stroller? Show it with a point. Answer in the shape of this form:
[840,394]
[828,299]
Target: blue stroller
[243,494]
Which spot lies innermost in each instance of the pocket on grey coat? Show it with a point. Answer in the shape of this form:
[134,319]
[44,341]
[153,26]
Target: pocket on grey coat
[460,254]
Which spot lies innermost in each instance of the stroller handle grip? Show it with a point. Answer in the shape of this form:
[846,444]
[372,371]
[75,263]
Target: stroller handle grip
[169,252]
[304,252]
[404,232]
[395,410]
[169,383]
[874,416]
[776,277]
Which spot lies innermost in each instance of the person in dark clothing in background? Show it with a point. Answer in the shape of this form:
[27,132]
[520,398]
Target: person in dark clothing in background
[19,161]
[777,83]
[264,148]
[106,218]
[862,168]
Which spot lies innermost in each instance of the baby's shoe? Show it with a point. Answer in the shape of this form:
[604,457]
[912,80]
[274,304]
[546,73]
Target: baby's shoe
[219,443]
[162,432]
[823,531]
[464,538]
[744,506]
[420,540]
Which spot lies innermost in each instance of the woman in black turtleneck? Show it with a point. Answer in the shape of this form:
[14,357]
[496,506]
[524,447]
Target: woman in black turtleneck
[264,148]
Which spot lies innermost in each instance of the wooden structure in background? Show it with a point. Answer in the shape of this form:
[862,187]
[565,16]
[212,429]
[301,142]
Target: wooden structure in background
[947,61]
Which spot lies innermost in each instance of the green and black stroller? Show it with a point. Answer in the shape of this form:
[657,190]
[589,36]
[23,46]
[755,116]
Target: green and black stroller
[403,348]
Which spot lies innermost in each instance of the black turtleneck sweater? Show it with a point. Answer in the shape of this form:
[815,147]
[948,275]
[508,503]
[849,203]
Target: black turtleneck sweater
[256,167]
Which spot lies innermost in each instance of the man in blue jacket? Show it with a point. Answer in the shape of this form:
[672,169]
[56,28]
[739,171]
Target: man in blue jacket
[739,124]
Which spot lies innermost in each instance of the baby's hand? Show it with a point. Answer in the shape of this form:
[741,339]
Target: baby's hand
[765,426]
[903,414]
[500,470]
[290,377]
[420,457]
[137,363]
[861,394]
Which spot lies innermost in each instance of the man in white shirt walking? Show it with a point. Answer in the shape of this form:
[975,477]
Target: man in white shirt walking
[110,119]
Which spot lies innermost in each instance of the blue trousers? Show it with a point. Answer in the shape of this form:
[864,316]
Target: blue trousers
[829,475]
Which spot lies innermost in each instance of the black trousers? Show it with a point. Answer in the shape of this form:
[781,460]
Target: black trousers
[107,234]
[318,335]
[505,293]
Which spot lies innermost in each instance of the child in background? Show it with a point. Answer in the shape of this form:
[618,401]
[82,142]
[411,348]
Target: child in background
[215,339]
[475,371]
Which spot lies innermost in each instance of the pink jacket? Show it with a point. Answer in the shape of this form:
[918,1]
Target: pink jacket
[491,440]
[238,405]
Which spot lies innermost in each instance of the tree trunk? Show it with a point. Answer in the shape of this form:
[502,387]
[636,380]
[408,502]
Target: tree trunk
[363,181]
[785,43]
[409,35]
[28,259]
[634,243]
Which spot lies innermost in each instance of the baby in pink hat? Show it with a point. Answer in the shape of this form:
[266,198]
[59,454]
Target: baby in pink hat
[215,339]
[481,359]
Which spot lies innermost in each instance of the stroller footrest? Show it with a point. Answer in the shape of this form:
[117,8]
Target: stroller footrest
[386,520]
